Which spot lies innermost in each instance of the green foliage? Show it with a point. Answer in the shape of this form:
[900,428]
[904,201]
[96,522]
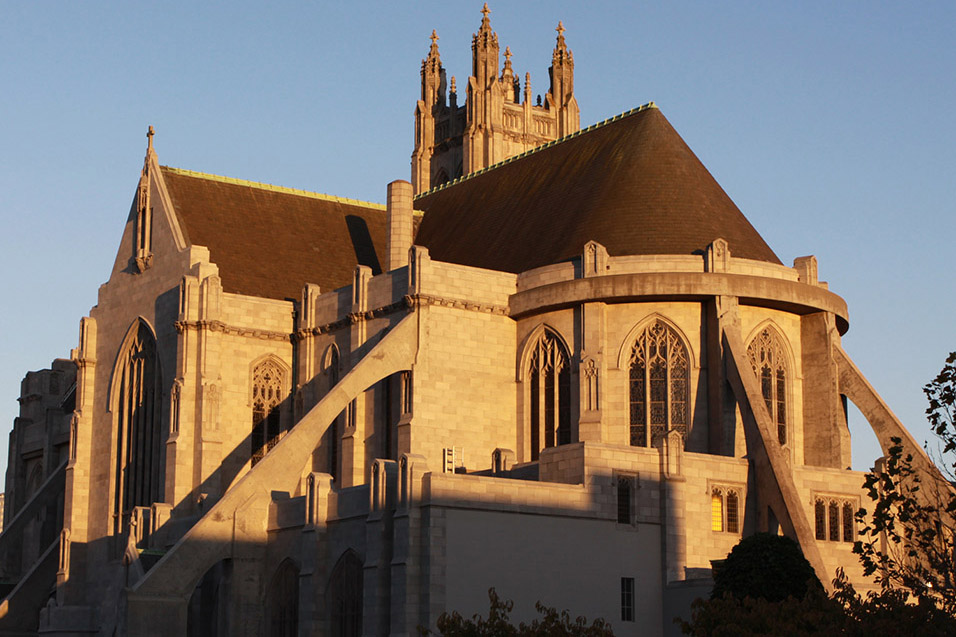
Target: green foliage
[551,624]
[767,567]
[729,616]
[908,543]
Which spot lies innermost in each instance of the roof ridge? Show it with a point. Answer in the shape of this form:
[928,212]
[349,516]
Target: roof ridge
[272,188]
[581,131]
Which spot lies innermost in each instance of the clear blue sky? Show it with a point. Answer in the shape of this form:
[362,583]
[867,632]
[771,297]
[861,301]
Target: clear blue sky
[829,124]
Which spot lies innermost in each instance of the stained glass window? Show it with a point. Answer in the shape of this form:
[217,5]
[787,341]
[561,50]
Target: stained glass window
[716,511]
[769,361]
[267,381]
[659,384]
[549,395]
[139,471]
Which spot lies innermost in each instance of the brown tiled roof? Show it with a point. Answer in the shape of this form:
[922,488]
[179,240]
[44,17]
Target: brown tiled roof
[631,184]
[270,241]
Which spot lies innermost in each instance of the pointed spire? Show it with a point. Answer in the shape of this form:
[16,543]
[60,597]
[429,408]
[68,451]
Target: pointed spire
[485,22]
[150,153]
[144,210]
[527,87]
[561,48]
[434,47]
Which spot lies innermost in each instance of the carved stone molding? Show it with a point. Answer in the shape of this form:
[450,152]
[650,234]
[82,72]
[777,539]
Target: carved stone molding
[219,326]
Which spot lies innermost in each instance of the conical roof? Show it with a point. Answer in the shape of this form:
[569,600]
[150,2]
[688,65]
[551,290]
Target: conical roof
[631,184]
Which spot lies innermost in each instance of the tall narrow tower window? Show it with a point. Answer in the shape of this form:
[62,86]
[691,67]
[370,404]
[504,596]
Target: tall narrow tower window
[139,448]
[659,383]
[769,360]
[267,382]
[549,380]
[332,367]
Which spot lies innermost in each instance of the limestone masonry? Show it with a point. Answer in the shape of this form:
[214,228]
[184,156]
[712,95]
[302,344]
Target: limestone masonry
[559,362]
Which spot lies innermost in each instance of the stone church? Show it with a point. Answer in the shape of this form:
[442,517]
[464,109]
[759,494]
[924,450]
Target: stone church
[559,362]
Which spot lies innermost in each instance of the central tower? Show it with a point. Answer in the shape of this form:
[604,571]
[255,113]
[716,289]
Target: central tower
[496,121]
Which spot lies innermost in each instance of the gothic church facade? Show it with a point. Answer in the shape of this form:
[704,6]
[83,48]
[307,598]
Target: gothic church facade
[557,362]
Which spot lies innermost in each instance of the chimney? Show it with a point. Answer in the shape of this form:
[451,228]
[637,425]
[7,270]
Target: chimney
[399,211]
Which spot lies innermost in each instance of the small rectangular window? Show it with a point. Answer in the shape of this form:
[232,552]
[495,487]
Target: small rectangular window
[624,500]
[627,599]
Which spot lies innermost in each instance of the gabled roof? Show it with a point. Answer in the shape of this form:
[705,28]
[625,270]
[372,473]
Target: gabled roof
[270,241]
[630,183]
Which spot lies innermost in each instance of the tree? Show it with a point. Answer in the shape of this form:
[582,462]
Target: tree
[765,566]
[552,623]
[908,542]
[765,586]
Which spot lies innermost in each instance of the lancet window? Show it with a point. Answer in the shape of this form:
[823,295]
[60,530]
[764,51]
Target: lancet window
[659,385]
[345,596]
[282,605]
[139,446]
[549,380]
[267,383]
[769,361]
[332,368]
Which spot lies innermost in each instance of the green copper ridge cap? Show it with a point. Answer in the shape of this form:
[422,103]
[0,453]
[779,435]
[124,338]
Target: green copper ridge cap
[272,188]
[458,180]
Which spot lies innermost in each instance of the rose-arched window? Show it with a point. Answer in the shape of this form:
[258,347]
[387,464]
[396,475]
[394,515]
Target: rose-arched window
[139,442]
[659,384]
[267,383]
[769,360]
[549,393]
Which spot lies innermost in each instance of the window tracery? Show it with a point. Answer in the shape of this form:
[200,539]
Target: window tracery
[659,384]
[139,471]
[769,361]
[833,519]
[267,383]
[725,510]
[549,380]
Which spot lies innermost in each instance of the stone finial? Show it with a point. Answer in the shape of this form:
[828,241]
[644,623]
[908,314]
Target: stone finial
[527,87]
[433,50]
[484,14]
[806,267]
[149,137]
[717,256]
[454,89]
[594,261]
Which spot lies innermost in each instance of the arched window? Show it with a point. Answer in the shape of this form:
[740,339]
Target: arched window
[769,361]
[267,382]
[282,602]
[332,368]
[660,379]
[549,385]
[716,510]
[345,597]
[139,445]
[820,519]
